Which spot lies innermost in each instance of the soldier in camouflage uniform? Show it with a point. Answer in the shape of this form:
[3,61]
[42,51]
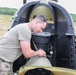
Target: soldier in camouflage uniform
[17,42]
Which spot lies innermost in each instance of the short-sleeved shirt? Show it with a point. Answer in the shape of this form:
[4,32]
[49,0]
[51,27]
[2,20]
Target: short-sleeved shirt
[10,48]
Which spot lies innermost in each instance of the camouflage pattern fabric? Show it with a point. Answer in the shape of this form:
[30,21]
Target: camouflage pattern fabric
[5,68]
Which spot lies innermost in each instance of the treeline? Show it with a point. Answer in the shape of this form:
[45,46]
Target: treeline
[7,11]
[74,17]
[11,11]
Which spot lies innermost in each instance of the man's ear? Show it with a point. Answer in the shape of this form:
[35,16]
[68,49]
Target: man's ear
[34,21]
[45,23]
[37,21]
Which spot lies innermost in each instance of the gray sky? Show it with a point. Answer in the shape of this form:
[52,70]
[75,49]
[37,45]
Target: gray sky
[70,5]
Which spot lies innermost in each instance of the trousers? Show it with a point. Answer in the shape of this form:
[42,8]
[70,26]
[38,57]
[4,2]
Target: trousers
[6,68]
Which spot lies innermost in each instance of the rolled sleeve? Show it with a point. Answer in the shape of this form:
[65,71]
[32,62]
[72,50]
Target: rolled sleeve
[24,34]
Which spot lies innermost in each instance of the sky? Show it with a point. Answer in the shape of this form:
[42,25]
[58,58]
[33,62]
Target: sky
[69,5]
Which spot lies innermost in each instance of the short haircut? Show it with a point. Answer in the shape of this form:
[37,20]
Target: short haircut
[41,17]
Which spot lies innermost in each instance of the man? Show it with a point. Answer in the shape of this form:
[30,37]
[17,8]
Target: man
[17,42]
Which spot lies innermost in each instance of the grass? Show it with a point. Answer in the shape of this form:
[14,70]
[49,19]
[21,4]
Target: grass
[75,26]
[5,21]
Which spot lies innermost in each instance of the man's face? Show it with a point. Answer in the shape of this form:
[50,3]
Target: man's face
[39,27]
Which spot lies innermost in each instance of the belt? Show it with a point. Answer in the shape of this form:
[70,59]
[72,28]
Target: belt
[5,61]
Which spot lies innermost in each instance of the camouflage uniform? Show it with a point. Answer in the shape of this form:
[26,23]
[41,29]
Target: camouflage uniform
[5,68]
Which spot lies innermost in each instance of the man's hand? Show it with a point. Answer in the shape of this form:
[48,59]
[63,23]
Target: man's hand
[28,52]
[41,52]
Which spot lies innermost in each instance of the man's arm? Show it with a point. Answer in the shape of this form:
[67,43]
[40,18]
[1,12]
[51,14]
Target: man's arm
[28,52]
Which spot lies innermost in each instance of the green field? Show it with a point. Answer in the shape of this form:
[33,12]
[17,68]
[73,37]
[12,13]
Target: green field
[5,21]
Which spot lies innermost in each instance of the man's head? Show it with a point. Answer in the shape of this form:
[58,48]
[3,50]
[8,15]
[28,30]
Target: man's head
[38,24]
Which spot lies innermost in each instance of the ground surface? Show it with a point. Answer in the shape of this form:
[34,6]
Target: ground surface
[5,22]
